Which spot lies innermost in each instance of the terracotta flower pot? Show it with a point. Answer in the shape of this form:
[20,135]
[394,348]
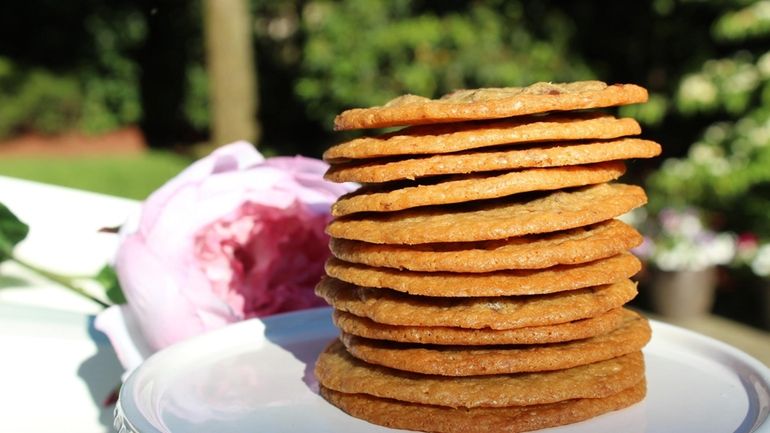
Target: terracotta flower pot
[682,294]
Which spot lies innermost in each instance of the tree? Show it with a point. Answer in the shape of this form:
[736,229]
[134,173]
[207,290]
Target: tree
[232,74]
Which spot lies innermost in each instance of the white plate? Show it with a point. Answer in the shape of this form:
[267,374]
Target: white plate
[257,376]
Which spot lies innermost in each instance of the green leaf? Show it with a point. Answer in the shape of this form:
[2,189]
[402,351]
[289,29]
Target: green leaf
[109,280]
[12,231]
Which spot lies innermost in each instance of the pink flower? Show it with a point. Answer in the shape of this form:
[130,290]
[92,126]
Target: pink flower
[234,236]
[748,242]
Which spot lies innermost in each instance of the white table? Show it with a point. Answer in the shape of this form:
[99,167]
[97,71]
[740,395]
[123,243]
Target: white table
[55,368]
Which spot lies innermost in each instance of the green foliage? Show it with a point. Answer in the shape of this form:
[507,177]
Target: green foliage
[727,170]
[36,99]
[651,113]
[110,82]
[727,84]
[365,53]
[12,231]
[109,280]
[746,23]
[100,83]
[98,95]
[196,103]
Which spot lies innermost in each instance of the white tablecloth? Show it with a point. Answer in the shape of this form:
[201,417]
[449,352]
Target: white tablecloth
[55,369]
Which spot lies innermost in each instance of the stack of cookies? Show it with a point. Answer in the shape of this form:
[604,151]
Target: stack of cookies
[479,274]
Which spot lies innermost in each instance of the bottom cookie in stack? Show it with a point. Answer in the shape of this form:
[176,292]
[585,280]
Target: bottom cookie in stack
[435,418]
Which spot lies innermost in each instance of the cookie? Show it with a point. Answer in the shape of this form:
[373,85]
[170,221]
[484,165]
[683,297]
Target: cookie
[455,137]
[499,283]
[500,219]
[339,371]
[630,337]
[491,103]
[543,155]
[460,189]
[580,245]
[513,419]
[445,335]
[503,312]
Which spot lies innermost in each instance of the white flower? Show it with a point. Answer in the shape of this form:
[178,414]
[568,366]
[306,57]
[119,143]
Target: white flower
[761,263]
[763,65]
[744,79]
[721,250]
[682,169]
[690,225]
[700,89]
[710,157]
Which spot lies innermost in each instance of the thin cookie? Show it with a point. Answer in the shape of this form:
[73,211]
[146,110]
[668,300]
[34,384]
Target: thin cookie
[446,335]
[630,337]
[337,370]
[544,155]
[499,283]
[580,245]
[505,312]
[513,419]
[455,137]
[491,103]
[500,219]
[460,189]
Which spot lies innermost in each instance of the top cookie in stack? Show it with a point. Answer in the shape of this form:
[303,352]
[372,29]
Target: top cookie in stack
[483,242]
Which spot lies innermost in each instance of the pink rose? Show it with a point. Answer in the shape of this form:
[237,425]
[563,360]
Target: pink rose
[232,237]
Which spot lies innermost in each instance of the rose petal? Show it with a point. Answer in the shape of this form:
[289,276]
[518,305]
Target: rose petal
[119,324]
[171,301]
[232,157]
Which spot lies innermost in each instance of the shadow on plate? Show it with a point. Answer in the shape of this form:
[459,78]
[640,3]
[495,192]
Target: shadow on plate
[304,335]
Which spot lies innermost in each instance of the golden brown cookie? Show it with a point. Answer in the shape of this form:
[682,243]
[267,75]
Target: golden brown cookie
[460,189]
[502,312]
[630,337]
[339,371]
[499,283]
[513,419]
[543,155]
[491,103]
[455,137]
[445,335]
[499,219]
[579,245]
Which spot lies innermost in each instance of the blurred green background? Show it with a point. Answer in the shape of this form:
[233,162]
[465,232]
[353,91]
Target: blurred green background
[96,66]
[92,67]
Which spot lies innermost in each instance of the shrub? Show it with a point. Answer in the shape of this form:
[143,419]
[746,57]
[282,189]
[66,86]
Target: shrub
[365,53]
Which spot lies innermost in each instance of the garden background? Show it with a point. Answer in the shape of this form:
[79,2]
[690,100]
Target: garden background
[115,97]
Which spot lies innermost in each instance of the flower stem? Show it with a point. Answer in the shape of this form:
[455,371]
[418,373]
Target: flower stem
[64,281]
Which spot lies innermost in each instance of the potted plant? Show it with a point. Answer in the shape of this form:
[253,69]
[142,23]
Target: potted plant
[682,256]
